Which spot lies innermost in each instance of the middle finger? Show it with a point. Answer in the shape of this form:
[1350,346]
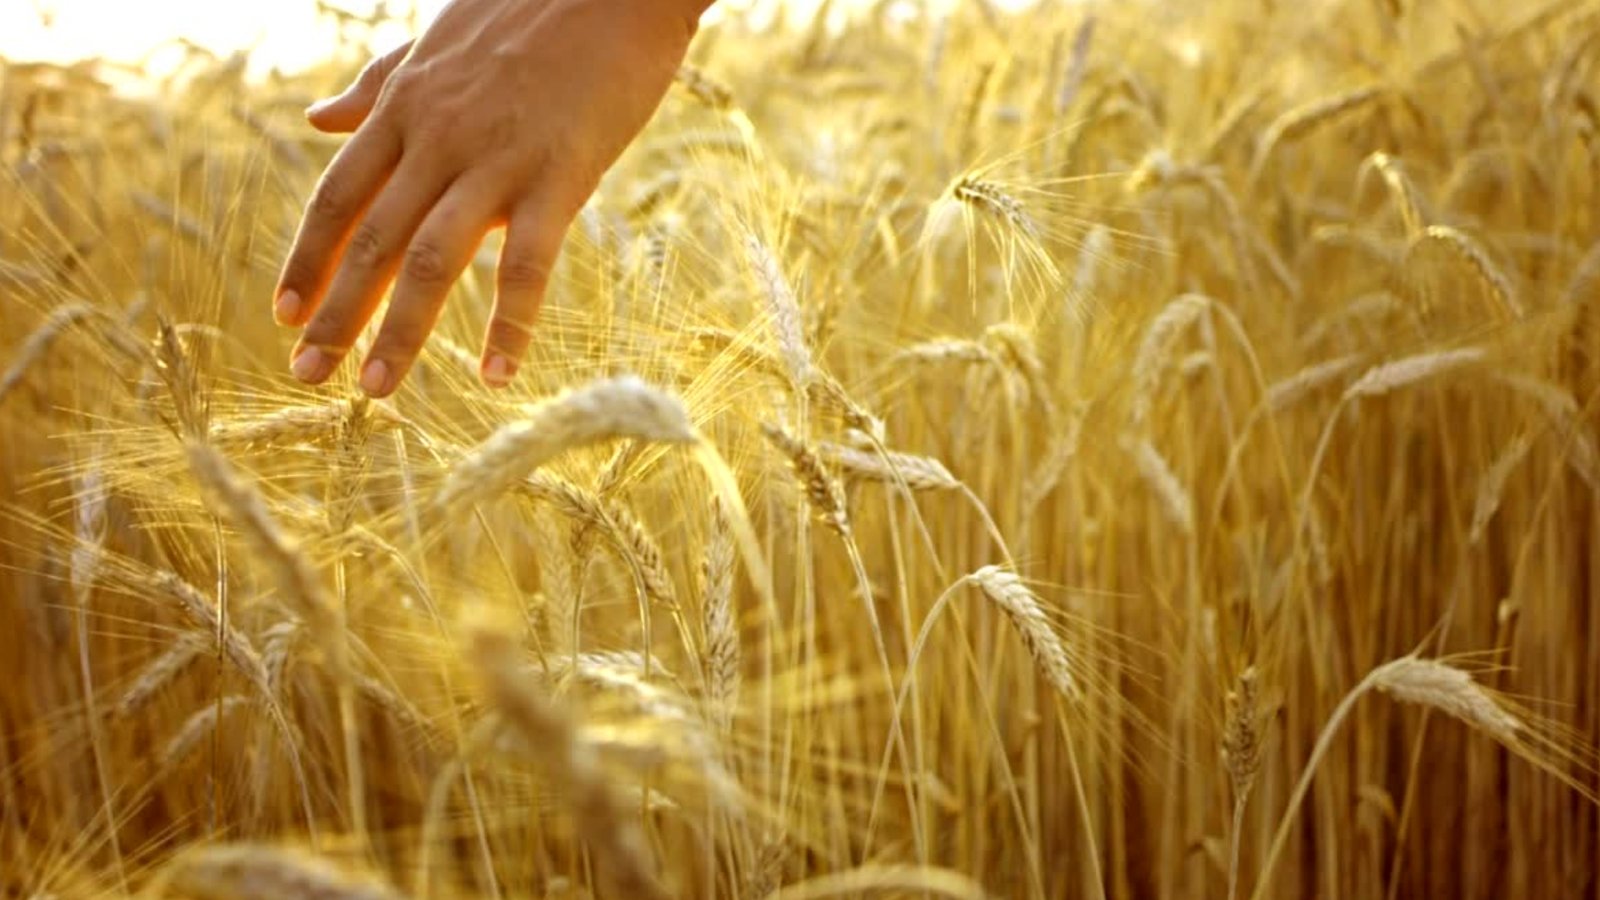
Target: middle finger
[369,263]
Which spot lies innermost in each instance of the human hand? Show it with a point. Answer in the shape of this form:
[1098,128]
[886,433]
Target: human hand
[504,113]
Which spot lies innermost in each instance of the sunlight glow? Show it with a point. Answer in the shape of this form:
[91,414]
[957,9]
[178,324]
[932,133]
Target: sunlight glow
[289,35]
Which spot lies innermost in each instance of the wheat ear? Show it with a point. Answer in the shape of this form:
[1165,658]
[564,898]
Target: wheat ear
[917,473]
[1302,120]
[784,309]
[619,845]
[720,619]
[615,521]
[1164,483]
[1242,739]
[238,502]
[1283,394]
[1407,199]
[1453,691]
[160,672]
[1492,486]
[196,728]
[823,491]
[1563,413]
[1462,246]
[293,425]
[1410,370]
[260,872]
[603,410]
[38,343]
[1021,605]
[703,88]
[1156,348]
[991,199]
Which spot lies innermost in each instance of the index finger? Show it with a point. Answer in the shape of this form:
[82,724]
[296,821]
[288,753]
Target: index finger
[341,197]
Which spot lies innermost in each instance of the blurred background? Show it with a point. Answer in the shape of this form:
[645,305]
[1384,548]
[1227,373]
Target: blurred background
[289,35]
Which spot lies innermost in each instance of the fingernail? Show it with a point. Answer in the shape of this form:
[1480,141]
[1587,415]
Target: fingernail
[499,371]
[311,364]
[375,378]
[319,106]
[287,309]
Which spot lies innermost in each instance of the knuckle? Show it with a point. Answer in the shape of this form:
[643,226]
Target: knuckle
[366,247]
[374,74]
[402,82]
[425,263]
[330,200]
[524,273]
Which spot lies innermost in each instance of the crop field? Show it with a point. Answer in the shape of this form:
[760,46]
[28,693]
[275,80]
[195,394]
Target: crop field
[1094,451]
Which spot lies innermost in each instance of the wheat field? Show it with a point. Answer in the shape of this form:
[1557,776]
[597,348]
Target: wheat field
[1125,451]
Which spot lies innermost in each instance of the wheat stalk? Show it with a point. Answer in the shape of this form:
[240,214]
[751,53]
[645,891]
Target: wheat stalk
[1410,679]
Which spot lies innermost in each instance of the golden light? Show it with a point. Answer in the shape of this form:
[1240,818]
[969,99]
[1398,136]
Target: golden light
[283,34]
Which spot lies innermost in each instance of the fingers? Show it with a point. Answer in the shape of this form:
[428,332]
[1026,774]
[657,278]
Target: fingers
[342,195]
[443,247]
[370,259]
[533,241]
[345,113]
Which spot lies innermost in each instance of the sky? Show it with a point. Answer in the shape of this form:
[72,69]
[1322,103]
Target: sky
[287,34]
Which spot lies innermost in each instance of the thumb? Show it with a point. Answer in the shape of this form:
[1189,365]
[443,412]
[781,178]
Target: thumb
[345,112]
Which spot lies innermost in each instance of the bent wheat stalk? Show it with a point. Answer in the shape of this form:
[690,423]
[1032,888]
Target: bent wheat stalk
[622,407]
[1430,683]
